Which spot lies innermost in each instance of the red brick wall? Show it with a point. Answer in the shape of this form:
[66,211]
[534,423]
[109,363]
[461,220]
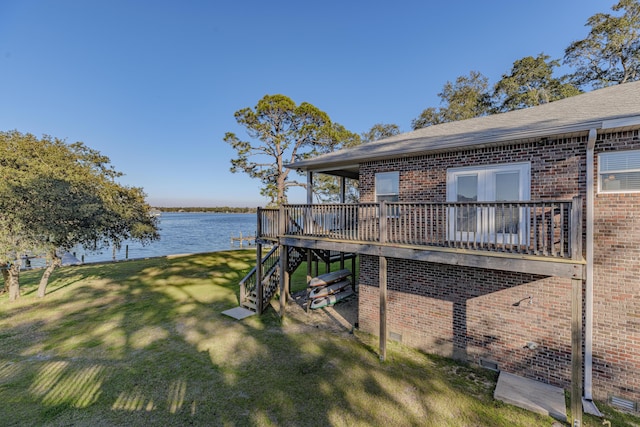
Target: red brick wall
[474,314]
[470,314]
[616,325]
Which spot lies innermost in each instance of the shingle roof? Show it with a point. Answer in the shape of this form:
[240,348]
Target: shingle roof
[576,115]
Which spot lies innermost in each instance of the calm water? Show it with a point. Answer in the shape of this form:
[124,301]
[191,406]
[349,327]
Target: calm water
[182,233]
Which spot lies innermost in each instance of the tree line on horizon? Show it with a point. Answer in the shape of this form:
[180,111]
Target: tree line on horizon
[282,132]
[216,209]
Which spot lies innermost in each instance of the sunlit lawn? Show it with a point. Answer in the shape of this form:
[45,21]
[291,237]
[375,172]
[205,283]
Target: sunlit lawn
[144,342]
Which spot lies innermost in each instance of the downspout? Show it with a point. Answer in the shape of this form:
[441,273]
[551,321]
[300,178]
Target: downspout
[588,330]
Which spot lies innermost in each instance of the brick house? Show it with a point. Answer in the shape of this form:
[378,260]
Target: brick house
[511,241]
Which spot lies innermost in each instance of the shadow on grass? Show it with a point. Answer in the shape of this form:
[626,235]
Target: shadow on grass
[144,342]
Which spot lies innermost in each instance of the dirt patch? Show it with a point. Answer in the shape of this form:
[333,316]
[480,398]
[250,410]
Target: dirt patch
[340,317]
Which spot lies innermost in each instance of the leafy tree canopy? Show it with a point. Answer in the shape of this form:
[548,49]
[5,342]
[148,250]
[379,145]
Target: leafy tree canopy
[531,83]
[282,132]
[610,54]
[54,196]
[380,131]
[467,98]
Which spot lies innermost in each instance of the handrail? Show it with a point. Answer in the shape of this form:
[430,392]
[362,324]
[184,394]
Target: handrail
[547,228]
[269,262]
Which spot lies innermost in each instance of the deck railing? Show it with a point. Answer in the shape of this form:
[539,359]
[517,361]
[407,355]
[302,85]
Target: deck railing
[550,228]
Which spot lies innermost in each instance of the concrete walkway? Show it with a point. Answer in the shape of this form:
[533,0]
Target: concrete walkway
[531,395]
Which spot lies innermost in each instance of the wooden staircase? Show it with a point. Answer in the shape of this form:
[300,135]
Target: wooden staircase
[249,288]
[270,264]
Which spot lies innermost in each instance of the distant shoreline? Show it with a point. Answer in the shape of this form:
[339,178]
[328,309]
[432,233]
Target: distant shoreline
[220,209]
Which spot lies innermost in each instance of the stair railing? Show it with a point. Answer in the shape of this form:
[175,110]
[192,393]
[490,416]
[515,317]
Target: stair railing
[249,285]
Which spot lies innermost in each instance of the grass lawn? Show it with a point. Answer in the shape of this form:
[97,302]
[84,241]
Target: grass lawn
[144,342]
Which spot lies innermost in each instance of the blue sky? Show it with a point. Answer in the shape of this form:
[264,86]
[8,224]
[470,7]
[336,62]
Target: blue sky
[154,85]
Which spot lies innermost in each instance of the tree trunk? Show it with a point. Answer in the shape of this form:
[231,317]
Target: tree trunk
[281,194]
[13,273]
[5,276]
[44,280]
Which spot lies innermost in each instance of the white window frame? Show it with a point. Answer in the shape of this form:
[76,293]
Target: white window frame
[629,161]
[485,230]
[392,211]
[391,175]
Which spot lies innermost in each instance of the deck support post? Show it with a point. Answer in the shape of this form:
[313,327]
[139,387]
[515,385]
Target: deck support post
[259,288]
[284,262]
[576,316]
[382,273]
[284,278]
[343,197]
[353,273]
[309,264]
[309,276]
[259,271]
[576,352]
[382,279]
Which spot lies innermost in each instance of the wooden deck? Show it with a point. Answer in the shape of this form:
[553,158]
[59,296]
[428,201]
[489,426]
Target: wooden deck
[538,237]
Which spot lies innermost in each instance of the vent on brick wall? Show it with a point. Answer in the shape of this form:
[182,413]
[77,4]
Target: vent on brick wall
[395,336]
[489,364]
[625,404]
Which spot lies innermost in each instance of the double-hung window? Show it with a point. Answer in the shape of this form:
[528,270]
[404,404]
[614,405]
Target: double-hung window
[388,190]
[387,186]
[472,221]
[619,172]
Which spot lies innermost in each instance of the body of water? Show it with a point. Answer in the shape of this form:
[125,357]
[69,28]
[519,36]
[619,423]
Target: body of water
[185,233]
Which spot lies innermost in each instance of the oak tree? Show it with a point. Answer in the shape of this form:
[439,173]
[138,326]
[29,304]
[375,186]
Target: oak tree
[610,54]
[55,196]
[530,83]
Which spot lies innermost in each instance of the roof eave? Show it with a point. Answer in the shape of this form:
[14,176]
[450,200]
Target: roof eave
[334,164]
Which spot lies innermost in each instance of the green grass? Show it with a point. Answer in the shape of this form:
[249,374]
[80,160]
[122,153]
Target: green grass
[144,342]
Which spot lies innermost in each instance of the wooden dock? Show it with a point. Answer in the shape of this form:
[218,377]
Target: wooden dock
[250,240]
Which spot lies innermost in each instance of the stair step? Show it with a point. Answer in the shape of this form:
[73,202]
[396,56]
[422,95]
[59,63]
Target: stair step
[249,305]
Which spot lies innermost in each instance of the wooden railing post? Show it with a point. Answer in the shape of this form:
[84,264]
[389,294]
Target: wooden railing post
[576,228]
[382,227]
[259,223]
[282,223]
